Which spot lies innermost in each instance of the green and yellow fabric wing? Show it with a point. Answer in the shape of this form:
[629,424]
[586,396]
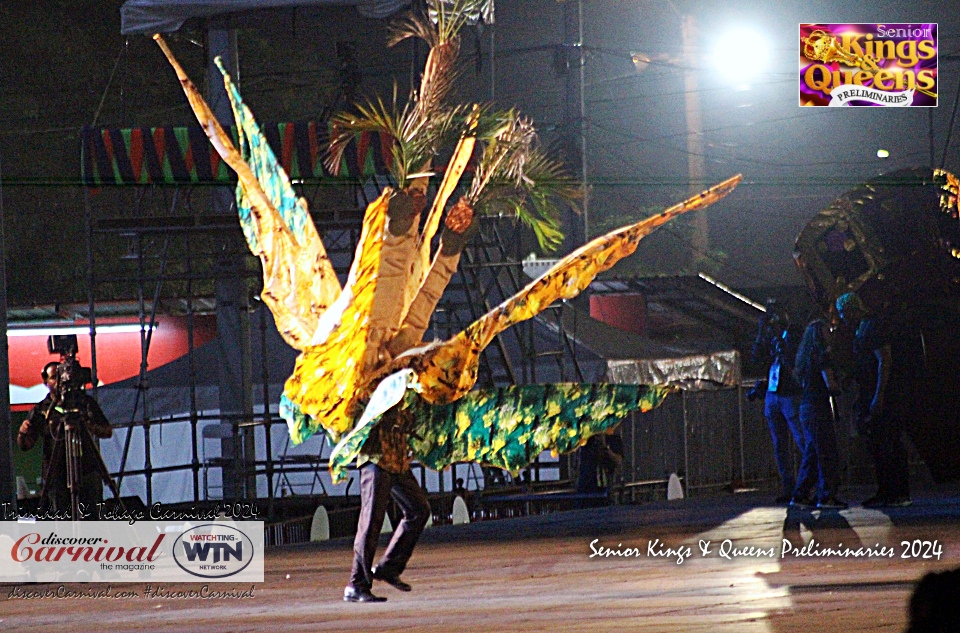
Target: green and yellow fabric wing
[314,283]
[508,427]
[299,282]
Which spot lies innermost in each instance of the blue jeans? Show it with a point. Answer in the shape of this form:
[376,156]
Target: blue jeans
[819,474]
[783,418]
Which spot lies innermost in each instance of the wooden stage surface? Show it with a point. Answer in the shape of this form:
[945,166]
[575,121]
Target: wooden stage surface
[537,574]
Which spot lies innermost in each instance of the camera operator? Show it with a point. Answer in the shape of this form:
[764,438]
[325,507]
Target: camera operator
[50,420]
[776,343]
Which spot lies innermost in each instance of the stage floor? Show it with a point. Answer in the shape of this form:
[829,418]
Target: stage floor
[537,574]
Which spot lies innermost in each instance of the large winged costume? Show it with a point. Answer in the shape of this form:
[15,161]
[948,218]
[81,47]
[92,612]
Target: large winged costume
[361,356]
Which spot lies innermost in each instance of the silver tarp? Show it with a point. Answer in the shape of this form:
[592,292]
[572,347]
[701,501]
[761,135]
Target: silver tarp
[694,372]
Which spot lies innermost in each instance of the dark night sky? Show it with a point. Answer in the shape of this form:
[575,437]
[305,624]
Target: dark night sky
[57,70]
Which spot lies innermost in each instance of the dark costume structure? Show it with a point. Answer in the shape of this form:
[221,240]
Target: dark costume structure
[933,604]
[776,343]
[893,241]
[819,474]
[46,422]
[384,468]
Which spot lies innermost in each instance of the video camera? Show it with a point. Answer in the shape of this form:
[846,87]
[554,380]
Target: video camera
[70,428]
[72,377]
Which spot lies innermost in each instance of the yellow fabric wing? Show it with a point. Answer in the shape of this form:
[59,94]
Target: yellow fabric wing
[448,371]
[329,379]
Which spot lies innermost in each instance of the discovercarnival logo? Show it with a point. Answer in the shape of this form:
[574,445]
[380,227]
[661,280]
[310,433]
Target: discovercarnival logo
[214,550]
[868,65]
[117,551]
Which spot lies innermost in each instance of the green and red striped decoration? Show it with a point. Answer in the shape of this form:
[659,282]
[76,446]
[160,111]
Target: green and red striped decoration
[182,155]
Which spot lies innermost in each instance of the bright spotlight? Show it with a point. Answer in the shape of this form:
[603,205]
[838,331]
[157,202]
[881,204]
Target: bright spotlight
[882,153]
[739,54]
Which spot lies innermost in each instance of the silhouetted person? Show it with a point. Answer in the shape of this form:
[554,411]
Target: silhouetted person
[47,421]
[819,474]
[877,415]
[934,604]
[600,458]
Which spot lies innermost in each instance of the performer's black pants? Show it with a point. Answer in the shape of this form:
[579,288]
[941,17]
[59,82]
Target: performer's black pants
[377,486]
[889,456]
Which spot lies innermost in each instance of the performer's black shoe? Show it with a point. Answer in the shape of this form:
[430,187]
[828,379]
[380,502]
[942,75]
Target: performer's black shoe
[352,594]
[394,581]
[832,503]
[881,501]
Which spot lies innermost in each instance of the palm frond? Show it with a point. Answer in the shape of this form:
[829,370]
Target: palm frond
[504,154]
[425,123]
[410,25]
[491,123]
[440,71]
[519,139]
[508,202]
[416,139]
[375,116]
[423,138]
[451,15]
[536,200]
[440,24]
[439,75]
[546,176]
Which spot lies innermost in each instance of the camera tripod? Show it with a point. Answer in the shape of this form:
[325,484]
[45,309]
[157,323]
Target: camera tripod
[71,442]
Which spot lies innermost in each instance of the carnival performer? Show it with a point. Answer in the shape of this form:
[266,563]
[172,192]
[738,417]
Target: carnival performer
[877,418]
[819,474]
[384,468]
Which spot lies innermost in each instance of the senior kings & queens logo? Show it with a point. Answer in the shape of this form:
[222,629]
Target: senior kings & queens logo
[892,65]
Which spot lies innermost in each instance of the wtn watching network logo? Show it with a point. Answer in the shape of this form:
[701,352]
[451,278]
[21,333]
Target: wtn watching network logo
[213,551]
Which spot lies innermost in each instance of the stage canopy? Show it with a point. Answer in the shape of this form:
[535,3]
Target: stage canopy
[164,16]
